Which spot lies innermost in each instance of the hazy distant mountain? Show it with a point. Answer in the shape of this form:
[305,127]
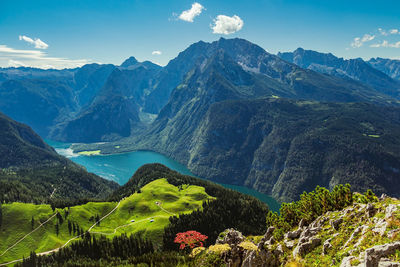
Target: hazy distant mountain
[89,80]
[389,66]
[39,103]
[132,63]
[44,98]
[114,113]
[30,170]
[356,69]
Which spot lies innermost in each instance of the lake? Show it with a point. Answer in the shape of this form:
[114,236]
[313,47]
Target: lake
[121,167]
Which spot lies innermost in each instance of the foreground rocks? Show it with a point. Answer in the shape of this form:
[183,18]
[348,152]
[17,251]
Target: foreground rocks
[347,235]
[374,257]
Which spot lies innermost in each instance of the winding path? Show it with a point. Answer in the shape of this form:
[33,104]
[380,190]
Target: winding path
[56,249]
[25,236]
[158,203]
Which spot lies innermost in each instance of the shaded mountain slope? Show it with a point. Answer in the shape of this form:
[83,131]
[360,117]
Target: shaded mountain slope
[389,66]
[39,103]
[44,98]
[355,69]
[114,113]
[30,170]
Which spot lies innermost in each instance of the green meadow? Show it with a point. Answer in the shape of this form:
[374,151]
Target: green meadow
[146,212]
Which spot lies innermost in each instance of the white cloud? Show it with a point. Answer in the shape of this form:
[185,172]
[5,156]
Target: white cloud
[37,42]
[156,52]
[388,32]
[385,43]
[35,58]
[190,14]
[227,25]
[15,63]
[383,32]
[359,41]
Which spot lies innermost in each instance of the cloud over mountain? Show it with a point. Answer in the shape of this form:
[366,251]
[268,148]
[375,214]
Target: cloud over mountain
[227,25]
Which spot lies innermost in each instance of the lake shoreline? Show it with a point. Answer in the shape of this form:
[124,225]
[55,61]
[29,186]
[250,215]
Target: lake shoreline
[120,167]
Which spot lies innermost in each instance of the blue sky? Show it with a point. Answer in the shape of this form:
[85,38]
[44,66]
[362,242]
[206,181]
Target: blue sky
[74,32]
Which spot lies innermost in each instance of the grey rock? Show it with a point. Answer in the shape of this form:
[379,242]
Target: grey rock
[294,234]
[289,244]
[388,263]
[231,237]
[346,262]
[390,210]
[269,233]
[383,197]
[373,255]
[327,246]
[306,247]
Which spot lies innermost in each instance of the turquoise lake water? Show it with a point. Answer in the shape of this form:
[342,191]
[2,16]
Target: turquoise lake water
[121,167]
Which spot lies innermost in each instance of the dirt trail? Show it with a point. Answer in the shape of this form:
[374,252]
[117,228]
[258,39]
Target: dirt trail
[25,236]
[56,249]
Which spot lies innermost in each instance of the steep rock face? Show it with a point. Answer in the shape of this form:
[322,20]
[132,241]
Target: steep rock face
[355,69]
[283,148]
[389,66]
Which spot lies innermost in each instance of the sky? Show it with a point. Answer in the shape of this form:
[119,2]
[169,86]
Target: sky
[70,33]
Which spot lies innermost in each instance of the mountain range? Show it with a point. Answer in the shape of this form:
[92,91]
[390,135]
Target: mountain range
[231,112]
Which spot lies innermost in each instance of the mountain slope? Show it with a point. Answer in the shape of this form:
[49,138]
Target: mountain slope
[39,103]
[282,147]
[44,98]
[21,147]
[30,170]
[114,113]
[355,69]
[389,66]
[89,79]
[254,59]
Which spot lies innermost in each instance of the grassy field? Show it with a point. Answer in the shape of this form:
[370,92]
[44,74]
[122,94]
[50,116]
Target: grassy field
[90,153]
[157,201]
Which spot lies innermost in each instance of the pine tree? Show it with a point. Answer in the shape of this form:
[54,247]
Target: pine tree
[69,227]
[57,228]
[32,223]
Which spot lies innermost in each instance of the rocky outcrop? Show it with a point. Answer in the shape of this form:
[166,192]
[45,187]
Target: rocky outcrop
[351,234]
[374,257]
